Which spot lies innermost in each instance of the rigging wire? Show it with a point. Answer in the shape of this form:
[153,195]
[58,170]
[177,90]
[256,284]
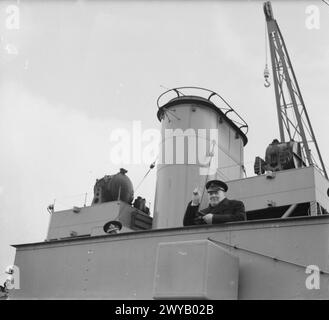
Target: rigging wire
[152,165]
[175,89]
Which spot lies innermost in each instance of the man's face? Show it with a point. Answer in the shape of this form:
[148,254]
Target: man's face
[215,197]
[112,228]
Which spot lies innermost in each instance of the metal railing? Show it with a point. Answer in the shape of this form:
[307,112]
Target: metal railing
[213,97]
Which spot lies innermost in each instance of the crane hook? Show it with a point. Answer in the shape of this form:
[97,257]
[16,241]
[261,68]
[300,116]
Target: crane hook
[266,76]
[267,83]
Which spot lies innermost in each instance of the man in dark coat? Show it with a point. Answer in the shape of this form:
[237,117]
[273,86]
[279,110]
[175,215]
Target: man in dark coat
[220,208]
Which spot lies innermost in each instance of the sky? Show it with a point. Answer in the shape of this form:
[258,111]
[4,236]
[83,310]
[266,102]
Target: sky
[71,72]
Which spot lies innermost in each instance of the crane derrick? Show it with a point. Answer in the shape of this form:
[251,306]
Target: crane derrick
[294,122]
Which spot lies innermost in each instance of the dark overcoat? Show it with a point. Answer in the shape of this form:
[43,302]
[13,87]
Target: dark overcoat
[226,211]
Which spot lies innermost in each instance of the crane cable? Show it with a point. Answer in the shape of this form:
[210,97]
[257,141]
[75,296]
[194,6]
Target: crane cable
[266,71]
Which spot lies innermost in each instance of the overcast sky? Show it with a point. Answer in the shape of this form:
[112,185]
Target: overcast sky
[74,71]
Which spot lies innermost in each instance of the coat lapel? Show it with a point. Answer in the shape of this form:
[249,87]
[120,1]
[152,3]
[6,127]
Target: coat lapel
[217,209]
[223,204]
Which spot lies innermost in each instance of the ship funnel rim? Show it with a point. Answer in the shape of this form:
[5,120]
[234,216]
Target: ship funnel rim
[222,107]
